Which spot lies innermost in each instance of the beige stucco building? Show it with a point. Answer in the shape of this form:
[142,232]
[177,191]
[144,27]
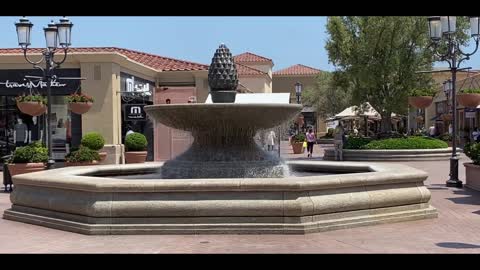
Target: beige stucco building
[432,115]
[111,76]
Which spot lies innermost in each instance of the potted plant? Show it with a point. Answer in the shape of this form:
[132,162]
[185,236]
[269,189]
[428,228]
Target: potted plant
[469,97]
[82,156]
[79,103]
[94,141]
[135,148]
[33,105]
[297,143]
[421,98]
[472,179]
[26,159]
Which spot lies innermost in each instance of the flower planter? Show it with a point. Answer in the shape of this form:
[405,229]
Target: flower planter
[103,156]
[21,168]
[32,108]
[420,102]
[135,157]
[469,100]
[83,163]
[472,173]
[80,107]
[297,147]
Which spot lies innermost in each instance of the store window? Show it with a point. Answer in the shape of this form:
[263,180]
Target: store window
[18,129]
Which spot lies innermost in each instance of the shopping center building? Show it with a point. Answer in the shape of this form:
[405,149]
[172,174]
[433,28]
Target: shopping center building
[116,78]
[122,81]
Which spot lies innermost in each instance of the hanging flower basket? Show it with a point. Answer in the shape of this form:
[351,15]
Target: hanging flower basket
[79,103]
[470,100]
[420,102]
[447,117]
[33,105]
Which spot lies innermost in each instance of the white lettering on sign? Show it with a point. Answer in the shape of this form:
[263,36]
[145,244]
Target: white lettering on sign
[30,85]
[135,110]
[131,86]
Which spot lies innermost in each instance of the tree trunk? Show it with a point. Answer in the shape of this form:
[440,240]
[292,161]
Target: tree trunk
[386,124]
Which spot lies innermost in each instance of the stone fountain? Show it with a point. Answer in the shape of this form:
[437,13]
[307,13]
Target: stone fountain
[224,183]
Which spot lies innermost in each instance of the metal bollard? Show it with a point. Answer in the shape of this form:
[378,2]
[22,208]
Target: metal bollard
[7,178]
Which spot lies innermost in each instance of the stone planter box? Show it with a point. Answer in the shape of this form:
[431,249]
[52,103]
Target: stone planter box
[135,157]
[472,179]
[392,155]
[21,168]
[297,148]
[85,163]
[325,141]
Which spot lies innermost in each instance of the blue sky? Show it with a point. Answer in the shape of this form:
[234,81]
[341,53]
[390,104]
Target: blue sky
[286,40]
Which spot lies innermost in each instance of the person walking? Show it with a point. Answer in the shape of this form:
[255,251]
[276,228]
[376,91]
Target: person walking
[339,140]
[271,140]
[476,135]
[311,140]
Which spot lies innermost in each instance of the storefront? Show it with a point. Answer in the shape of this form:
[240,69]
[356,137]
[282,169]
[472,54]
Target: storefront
[18,129]
[121,82]
[136,94]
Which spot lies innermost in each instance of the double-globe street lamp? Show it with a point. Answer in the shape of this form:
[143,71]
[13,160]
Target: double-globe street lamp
[442,28]
[55,34]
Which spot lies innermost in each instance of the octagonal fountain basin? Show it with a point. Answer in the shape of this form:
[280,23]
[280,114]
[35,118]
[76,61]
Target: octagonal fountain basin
[89,200]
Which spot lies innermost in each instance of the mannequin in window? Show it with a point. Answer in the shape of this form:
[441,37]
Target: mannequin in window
[20,133]
[35,134]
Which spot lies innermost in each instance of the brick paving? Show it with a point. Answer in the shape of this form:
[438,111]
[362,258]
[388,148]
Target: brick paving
[456,230]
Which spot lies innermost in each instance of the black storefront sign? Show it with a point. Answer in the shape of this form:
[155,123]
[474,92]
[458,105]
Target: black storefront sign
[14,83]
[134,112]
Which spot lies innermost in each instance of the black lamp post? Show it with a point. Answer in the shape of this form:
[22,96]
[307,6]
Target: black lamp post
[443,28]
[298,91]
[55,33]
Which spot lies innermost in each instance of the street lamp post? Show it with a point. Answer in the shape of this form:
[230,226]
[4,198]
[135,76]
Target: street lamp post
[443,28]
[298,91]
[55,33]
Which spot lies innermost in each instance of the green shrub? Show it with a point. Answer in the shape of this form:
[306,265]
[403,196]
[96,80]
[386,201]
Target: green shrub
[356,142]
[136,142]
[446,137]
[79,98]
[83,154]
[93,140]
[330,132]
[472,150]
[406,143]
[32,98]
[300,137]
[471,91]
[32,153]
[430,92]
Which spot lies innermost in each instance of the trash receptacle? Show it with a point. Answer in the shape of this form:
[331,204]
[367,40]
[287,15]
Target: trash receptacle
[7,178]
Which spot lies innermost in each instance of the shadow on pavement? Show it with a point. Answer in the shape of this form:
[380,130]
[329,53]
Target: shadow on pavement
[456,245]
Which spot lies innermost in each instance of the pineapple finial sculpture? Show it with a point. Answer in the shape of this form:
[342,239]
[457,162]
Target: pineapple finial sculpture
[222,76]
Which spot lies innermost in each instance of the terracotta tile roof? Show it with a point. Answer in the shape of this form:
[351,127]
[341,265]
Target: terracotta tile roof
[250,57]
[246,70]
[157,62]
[297,70]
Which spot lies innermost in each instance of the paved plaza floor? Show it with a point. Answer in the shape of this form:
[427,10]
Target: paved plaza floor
[456,230]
